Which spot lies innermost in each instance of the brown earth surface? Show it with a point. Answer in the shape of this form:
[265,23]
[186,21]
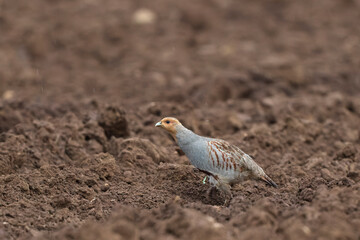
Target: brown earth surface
[82,84]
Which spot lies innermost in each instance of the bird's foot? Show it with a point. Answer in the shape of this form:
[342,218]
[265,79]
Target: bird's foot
[228,198]
[218,196]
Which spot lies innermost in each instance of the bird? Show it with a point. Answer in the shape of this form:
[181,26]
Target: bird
[223,163]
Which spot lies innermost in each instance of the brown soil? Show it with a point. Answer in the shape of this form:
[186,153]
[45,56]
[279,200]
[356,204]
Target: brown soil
[82,84]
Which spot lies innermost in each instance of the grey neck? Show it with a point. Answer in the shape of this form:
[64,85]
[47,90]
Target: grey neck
[185,136]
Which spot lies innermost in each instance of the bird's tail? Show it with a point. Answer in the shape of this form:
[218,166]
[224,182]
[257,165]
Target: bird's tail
[269,181]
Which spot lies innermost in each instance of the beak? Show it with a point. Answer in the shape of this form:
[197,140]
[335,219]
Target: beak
[158,124]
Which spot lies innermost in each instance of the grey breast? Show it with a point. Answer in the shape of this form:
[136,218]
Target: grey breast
[195,148]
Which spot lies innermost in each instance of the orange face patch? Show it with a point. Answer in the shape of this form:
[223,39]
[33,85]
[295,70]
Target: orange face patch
[169,124]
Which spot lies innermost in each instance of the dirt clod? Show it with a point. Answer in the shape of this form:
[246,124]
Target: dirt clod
[114,122]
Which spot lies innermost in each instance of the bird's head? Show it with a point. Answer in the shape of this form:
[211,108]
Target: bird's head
[170,124]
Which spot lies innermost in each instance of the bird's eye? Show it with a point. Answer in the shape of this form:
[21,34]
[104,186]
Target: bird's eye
[167,122]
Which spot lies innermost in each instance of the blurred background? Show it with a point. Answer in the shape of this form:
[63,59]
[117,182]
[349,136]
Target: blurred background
[176,50]
[83,82]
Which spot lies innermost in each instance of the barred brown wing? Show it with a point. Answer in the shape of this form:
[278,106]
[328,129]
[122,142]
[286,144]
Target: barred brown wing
[225,156]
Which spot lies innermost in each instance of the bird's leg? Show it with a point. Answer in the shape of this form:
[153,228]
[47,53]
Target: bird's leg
[225,188]
[211,192]
[222,187]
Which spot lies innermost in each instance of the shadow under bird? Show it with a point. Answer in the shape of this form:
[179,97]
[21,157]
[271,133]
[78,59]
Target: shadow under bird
[224,163]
